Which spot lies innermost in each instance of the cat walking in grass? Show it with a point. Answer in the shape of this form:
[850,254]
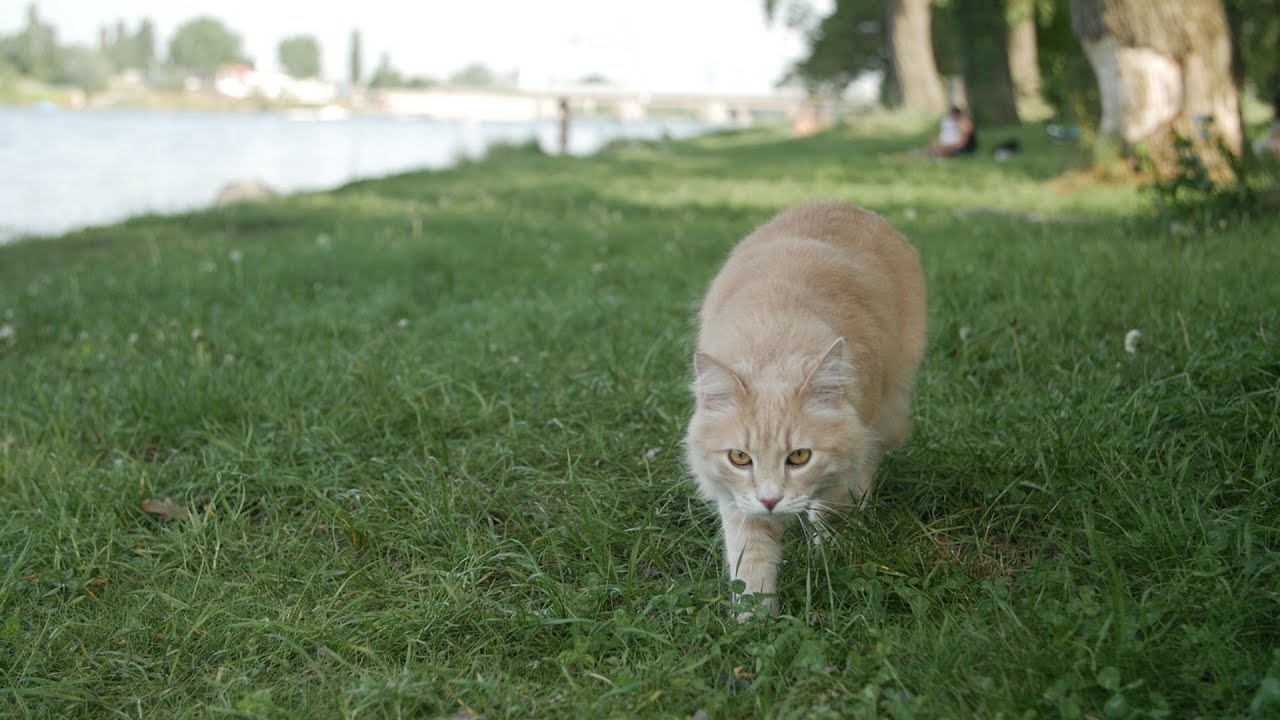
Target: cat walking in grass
[808,344]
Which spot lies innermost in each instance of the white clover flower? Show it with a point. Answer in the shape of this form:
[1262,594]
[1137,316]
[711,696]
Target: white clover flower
[1132,339]
[235,256]
[322,240]
[8,332]
[964,334]
[597,268]
[651,453]
[208,266]
[132,339]
[402,323]
[197,334]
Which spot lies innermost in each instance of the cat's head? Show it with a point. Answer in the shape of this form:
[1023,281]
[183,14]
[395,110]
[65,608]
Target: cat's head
[768,440]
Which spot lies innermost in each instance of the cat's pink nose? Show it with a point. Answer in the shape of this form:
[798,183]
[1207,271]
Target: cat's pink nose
[770,503]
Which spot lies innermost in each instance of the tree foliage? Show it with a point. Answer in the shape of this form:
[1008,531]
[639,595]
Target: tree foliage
[128,50]
[385,75]
[1255,25]
[33,52]
[85,68]
[851,40]
[300,56]
[144,44]
[476,75]
[1067,80]
[355,64]
[202,44]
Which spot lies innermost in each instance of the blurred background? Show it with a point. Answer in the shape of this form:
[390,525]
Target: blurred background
[113,109]
[175,100]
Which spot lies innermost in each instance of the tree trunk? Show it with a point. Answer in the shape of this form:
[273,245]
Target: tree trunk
[1024,67]
[1164,71]
[984,36]
[913,63]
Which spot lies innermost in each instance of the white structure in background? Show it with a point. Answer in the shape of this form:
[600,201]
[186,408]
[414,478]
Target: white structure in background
[526,105]
[461,104]
[243,82]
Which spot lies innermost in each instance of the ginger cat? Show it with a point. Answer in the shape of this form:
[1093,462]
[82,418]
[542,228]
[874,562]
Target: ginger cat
[809,341]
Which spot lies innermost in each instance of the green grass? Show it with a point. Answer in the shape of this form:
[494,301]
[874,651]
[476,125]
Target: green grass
[428,431]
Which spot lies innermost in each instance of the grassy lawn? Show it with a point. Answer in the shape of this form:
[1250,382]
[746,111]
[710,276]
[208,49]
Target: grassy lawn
[420,441]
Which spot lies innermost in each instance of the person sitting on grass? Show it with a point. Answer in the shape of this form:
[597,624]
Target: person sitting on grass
[956,135]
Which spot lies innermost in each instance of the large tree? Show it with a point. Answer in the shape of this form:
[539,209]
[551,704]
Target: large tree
[300,56]
[204,43]
[911,45]
[889,36]
[1024,68]
[1163,71]
[984,53]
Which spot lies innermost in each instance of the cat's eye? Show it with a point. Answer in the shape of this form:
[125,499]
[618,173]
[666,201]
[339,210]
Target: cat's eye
[799,457]
[739,458]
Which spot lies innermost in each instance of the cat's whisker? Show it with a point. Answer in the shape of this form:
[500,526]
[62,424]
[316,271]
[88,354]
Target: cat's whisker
[841,511]
[814,524]
[808,523]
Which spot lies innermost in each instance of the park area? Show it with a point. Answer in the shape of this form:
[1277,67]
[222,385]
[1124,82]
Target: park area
[411,448]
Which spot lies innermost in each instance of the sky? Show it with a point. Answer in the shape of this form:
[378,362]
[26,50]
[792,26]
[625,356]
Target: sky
[714,46]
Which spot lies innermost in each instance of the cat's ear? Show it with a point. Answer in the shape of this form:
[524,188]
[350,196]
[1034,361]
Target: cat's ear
[831,378]
[716,385]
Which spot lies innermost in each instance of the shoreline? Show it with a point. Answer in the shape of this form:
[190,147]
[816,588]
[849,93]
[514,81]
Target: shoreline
[289,153]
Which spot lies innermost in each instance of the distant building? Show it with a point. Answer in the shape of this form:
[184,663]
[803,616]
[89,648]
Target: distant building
[243,82]
[449,104]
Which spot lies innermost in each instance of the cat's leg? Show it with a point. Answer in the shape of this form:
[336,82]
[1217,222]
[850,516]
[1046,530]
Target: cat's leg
[895,418]
[864,479]
[753,551]
[835,500]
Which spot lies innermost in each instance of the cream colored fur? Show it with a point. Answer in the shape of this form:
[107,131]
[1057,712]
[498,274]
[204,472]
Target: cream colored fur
[810,337]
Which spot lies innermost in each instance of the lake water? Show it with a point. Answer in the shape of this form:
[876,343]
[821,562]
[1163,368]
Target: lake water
[65,170]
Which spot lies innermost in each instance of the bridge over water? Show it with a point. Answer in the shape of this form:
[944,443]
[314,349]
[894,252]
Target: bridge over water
[517,106]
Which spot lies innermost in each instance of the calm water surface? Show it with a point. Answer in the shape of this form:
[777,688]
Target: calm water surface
[61,171]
